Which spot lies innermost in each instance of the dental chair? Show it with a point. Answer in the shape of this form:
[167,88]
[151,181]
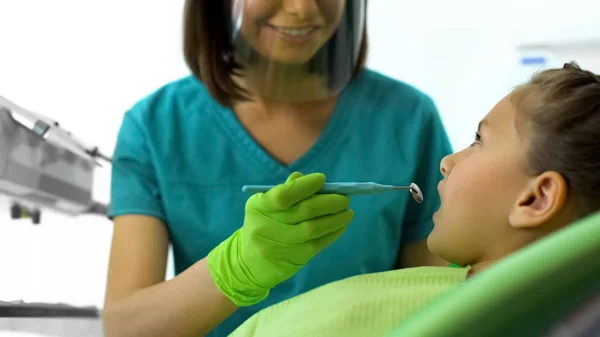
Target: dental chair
[550,289]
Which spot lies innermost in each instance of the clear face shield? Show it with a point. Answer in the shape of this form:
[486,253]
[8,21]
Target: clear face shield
[297,50]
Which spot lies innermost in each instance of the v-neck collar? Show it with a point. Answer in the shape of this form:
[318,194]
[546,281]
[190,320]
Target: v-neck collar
[257,153]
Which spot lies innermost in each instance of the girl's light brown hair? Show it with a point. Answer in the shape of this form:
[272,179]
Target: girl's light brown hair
[560,109]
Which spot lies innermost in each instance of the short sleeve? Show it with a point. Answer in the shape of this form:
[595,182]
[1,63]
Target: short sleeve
[134,185]
[434,145]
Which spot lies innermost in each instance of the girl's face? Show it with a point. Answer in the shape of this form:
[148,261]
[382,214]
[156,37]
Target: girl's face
[288,31]
[481,186]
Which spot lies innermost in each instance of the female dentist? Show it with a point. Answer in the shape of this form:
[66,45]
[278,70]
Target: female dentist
[278,88]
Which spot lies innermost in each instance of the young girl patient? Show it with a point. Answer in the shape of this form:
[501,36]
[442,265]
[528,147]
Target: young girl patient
[533,168]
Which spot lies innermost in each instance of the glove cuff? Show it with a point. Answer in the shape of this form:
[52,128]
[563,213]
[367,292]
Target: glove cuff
[227,271]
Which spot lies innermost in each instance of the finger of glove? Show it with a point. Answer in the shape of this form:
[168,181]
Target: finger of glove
[261,202]
[315,228]
[294,176]
[286,195]
[311,248]
[316,206]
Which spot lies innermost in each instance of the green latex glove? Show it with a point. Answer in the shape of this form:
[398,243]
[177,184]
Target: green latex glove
[283,229]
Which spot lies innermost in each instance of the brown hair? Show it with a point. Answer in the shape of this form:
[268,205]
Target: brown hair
[561,109]
[208,50]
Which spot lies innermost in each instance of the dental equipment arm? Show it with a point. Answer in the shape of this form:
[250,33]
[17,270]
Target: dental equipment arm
[51,131]
[44,166]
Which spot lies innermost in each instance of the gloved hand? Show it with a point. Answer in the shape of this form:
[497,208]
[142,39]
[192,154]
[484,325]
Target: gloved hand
[283,229]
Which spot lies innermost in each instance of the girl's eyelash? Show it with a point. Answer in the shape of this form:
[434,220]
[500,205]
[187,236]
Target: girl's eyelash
[477,139]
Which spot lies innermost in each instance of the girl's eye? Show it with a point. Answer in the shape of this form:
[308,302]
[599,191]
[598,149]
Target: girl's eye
[477,140]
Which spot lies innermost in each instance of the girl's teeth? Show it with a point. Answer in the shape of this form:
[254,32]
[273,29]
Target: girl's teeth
[294,32]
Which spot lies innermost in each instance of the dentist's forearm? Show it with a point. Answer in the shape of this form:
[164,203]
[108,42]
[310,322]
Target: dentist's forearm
[188,305]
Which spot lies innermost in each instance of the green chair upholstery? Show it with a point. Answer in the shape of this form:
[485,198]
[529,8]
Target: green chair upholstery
[527,294]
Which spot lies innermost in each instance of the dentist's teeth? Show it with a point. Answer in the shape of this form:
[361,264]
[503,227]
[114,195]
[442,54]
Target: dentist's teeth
[295,32]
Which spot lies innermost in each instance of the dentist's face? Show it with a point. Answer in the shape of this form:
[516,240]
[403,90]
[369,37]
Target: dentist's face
[288,31]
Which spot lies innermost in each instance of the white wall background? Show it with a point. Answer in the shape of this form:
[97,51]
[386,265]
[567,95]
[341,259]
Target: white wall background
[85,63]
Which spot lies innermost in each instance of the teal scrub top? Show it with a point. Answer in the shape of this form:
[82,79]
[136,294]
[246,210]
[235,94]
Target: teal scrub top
[183,158]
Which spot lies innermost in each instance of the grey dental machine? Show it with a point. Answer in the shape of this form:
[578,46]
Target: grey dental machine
[44,167]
